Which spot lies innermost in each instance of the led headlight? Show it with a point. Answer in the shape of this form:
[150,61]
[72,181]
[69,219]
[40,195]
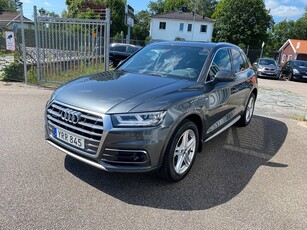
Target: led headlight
[295,71]
[138,119]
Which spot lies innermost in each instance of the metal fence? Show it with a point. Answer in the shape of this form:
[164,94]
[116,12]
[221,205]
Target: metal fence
[67,48]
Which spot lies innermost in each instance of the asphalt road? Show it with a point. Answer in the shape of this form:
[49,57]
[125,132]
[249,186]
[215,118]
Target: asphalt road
[246,178]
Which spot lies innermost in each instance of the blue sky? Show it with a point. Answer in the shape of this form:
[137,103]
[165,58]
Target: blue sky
[280,9]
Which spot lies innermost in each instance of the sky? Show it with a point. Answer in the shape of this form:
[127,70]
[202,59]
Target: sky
[280,9]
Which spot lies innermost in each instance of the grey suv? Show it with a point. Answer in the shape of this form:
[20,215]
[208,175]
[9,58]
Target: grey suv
[156,110]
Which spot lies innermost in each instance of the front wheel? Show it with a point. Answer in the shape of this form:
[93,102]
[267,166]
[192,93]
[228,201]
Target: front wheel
[180,152]
[249,111]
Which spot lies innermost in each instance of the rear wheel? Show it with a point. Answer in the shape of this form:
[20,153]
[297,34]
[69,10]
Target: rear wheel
[180,152]
[249,111]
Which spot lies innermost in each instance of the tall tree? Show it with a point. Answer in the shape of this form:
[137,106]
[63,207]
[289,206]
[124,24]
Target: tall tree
[46,13]
[141,25]
[156,7]
[242,22]
[202,7]
[92,9]
[7,5]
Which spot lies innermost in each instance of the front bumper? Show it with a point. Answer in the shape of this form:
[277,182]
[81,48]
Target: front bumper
[300,76]
[119,149]
[268,74]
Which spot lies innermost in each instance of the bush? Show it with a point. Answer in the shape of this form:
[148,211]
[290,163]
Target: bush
[13,72]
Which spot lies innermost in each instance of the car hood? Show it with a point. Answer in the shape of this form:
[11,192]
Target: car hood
[122,92]
[268,66]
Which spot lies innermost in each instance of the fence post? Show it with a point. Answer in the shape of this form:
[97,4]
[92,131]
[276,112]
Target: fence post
[38,58]
[23,44]
[107,40]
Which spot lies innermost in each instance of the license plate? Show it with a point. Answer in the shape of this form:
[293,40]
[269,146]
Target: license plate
[68,137]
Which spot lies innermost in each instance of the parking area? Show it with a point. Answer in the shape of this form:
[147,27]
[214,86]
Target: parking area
[250,178]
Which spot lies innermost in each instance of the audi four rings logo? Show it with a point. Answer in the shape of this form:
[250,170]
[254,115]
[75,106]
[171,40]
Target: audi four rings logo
[71,116]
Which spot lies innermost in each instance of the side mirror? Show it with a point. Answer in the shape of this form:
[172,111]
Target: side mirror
[225,76]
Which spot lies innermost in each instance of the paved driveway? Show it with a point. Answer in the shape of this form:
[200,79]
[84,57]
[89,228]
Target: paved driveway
[250,178]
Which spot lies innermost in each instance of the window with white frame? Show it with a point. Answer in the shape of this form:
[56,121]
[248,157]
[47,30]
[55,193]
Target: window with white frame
[283,58]
[289,57]
[181,25]
[162,26]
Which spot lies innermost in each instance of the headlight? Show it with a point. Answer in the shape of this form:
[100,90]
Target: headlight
[295,71]
[138,119]
[260,68]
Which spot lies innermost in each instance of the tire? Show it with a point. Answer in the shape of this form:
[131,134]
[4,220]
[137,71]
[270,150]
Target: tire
[180,152]
[291,77]
[248,112]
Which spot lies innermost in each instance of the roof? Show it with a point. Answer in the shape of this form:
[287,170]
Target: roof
[6,18]
[298,46]
[179,15]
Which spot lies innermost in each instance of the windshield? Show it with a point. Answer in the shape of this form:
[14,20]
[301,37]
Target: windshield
[182,62]
[300,64]
[267,62]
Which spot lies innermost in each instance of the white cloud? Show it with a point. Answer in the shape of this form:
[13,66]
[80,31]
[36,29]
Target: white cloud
[285,8]
[27,1]
[287,11]
[47,4]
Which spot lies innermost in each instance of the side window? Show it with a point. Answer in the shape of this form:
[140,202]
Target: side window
[238,62]
[283,59]
[221,61]
[131,49]
[120,48]
[246,62]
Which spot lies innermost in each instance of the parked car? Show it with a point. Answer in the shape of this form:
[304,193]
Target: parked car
[118,52]
[295,70]
[156,110]
[266,67]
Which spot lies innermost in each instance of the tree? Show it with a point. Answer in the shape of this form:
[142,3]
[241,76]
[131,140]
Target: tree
[7,5]
[156,7]
[242,22]
[46,13]
[202,7]
[141,25]
[92,9]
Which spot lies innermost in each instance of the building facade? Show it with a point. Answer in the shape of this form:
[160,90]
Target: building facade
[293,49]
[184,26]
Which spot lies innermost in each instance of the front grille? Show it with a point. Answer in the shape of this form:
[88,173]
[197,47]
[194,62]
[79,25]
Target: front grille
[89,126]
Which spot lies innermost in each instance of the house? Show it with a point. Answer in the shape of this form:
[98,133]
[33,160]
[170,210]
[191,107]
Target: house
[181,26]
[293,49]
[8,19]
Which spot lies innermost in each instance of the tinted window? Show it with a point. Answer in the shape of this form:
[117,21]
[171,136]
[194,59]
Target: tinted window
[119,48]
[267,62]
[238,62]
[300,64]
[189,27]
[132,49]
[246,62]
[221,61]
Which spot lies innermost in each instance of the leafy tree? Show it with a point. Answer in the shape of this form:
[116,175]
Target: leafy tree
[202,7]
[141,25]
[88,9]
[242,22]
[46,13]
[7,5]
[156,7]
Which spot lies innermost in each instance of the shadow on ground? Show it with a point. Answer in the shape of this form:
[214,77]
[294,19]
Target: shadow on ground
[223,169]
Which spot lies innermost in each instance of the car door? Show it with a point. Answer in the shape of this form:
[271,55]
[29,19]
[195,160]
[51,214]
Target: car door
[227,99]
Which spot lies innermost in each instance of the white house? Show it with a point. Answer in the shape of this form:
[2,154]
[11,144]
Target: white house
[184,25]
